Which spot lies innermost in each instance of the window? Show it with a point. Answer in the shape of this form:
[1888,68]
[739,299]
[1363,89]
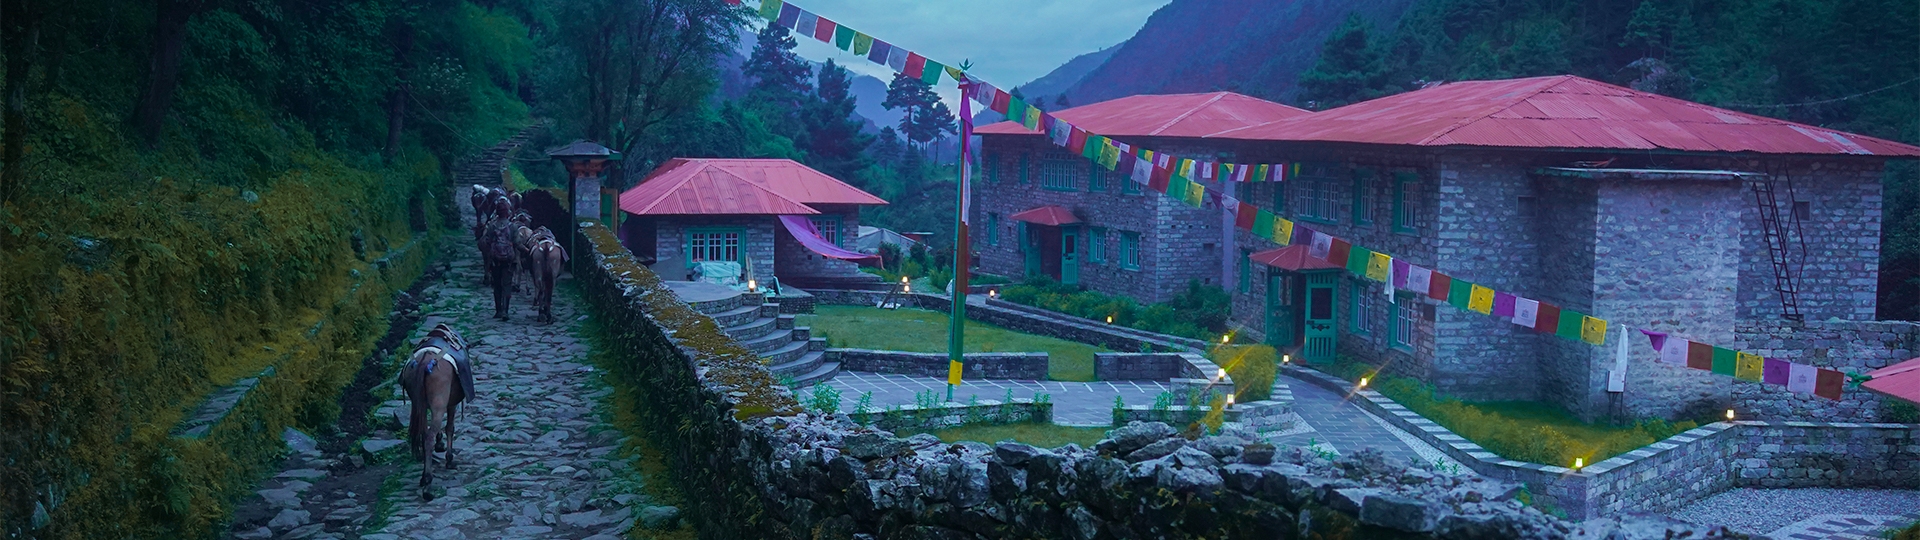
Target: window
[1364,298]
[992,162]
[1803,210]
[993,228]
[1362,204]
[1023,167]
[1130,250]
[829,227]
[1280,195]
[1405,321]
[1127,185]
[1317,202]
[713,245]
[1405,195]
[1246,270]
[1057,174]
[1096,179]
[1097,244]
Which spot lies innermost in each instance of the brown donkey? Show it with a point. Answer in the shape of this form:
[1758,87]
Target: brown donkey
[436,379]
[548,260]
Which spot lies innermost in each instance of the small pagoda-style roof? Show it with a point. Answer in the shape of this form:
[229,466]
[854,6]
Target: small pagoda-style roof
[1292,258]
[1046,215]
[700,186]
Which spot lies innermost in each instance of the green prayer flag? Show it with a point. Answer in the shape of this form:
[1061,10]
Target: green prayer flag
[1092,151]
[1263,224]
[1460,294]
[931,73]
[1570,323]
[1176,187]
[843,37]
[770,9]
[1357,260]
[1016,109]
[862,43]
[1725,361]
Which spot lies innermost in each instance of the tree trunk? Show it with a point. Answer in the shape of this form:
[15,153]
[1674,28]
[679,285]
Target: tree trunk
[163,68]
[19,35]
[397,98]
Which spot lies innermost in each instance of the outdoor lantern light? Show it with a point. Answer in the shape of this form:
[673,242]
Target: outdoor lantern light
[1221,376]
[752,286]
[1729,415]
[1286,359]
[1224,338]
[1229,401]
[1363,382]
[1109,319]
[903,280]
[1578,463]
[993,293]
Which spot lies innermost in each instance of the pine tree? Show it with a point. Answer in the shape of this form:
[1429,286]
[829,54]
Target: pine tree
[926,117]
[1350,68]
[834,143]
[780,87]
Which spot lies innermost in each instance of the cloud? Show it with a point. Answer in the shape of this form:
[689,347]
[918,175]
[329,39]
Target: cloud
[1009,42]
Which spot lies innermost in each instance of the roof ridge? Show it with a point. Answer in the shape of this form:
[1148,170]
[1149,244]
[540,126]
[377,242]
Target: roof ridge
[671,188]
[1510,103]
[1217,96]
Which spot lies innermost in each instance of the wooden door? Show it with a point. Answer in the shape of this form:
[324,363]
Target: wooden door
[1319,332]
[1070,255]
[1283,322]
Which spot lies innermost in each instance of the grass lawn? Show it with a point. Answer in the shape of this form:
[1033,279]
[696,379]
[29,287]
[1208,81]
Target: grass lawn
[919,330]
[1042,435]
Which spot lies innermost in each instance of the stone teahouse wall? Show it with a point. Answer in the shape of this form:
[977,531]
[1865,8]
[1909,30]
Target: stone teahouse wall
[1020,366]
[754,466]
[1686,467]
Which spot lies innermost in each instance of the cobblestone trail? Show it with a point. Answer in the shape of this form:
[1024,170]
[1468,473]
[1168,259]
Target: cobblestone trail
[534,457]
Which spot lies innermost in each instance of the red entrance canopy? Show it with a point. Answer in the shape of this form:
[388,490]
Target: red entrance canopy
[1292,258]
[1047,215]
[1900,380]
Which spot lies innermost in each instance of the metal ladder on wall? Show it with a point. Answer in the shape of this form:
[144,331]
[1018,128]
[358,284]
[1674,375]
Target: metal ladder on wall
[1778,245]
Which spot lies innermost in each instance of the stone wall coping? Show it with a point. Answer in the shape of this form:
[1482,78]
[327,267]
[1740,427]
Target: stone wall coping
[940,355]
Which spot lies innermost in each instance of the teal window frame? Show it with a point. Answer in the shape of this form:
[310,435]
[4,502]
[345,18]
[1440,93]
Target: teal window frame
[1246,271]
[1362,203]
[1360,320]
[1023,166]
[1401,327]
[1058,174]
[1405,221]
[1280,195]
[1096,182]
[993,228]
[740,246]
[1127,185]
[1320,196]
[829,227]
[992,162]
[1097,244]
[1129,250]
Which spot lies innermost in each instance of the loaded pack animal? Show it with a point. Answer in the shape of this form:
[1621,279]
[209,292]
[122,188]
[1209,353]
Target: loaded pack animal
[546,260]
[523,246]
[437,378]
[496,247]
[482,198]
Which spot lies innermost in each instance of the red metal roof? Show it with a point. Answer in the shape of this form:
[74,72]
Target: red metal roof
[1168,115]
[698,186]
[1900,380]
[1292,258]
[1561,111]
[1046,215]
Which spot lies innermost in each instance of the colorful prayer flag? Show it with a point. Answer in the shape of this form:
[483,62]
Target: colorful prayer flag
[1525,311]
[1829,383]
[1699,356]
[1480,300]
[930,74]
[1571,323]
[1196,194]
[897,58]
[1748,366]
[1594,330]
[983,93]
[1260,172]
[1322,246]
[1440,286]
[1283,232]
[789,15]
[1460,293]
[1094,146]
[1419,279]
[825,29]
[1357,260]
[1802,378]
[1400,270]
[843,37]
[1062,132]
[1142,171]
[1109,154]
[1077,141]
[862,44]
[1338,251]
[1017,110]
[956,73]
[1775,371]
[1033,118]
[1724,361]
[770,9]
[1547,320]
[1380,267]
[807,23]
[1246,216]
[1503,304]
[1164,184]
[1280,172]
[916,64]
[879,51]
[1676,351]
[1263,223]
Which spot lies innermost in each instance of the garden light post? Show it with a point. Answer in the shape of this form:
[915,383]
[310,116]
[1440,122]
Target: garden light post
[586,163]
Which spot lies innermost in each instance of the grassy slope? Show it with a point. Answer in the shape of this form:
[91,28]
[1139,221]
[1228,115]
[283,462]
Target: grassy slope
[915,330]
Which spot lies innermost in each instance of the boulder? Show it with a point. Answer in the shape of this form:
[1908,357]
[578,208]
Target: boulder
[1349,500]
[660,517]
[1221,447]
[1257,454]
[869,446]
[1016,454]
[1156,450]
[1401,513]
[1135,435]
[288,519]
[1188,457]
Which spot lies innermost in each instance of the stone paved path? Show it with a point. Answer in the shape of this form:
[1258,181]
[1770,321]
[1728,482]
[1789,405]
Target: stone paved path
[1342,425]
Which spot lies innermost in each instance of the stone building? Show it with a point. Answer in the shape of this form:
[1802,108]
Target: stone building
[1652,212]
[1038,210]
[772,216]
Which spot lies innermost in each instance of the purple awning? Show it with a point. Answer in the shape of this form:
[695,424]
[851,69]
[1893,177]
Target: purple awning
[803,230]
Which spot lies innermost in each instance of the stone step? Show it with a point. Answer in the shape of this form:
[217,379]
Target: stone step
[798,366]
[821,374]
[784,321]
[786,353]
[736,316]
[753,329]
[772,340]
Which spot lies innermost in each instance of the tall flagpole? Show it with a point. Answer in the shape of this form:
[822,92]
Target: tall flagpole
[957,328]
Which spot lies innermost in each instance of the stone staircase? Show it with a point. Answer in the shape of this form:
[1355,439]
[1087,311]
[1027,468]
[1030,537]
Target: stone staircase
[789,351]
[488,168]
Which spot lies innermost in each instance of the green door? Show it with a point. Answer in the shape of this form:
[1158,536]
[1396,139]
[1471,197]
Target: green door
[1070,255]
[1030,247]
[1281,322]
[1319,332]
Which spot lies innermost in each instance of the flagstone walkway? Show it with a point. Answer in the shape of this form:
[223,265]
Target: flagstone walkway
[1808,513]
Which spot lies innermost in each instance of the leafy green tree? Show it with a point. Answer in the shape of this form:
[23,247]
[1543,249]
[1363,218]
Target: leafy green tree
[833,142]
[1350,68]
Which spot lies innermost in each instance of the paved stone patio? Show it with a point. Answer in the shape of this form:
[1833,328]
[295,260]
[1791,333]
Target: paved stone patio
[1807,513]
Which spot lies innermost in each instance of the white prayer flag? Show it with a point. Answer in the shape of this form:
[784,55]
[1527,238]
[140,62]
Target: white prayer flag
[1674,351]
[1321,247]
[1617,379]
[1525,311]
[808,20]
[897,59]
[1142,170]
[1387,286]
[1801,378]
[1419,278]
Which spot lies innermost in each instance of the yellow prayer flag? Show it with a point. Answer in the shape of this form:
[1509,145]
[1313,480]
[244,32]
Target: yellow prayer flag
[956,73]
[1109,155]
[1033,118]
[1747,367]
[1378,266]
[1593,330]
[953,372]
[861,43]
[1196,193]
[1282,231]
[1480,300]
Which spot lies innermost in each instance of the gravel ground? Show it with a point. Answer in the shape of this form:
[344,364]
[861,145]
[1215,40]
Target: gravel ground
[1765,510]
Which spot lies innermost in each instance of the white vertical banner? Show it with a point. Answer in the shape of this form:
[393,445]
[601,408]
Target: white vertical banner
[1617,378]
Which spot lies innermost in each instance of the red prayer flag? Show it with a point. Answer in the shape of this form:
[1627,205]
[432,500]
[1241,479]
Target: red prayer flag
[915,64]
[1244,220]
[1700,356]
[1339,252]
[1077,142]
[1161,171]
[1441,285]
[1829,384]
[1158,182]
[1547,319]
[824,30]
[1000,99]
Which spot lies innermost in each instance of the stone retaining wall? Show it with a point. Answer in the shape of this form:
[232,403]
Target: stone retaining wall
[1019,366]
[1685,467]
[1257,415]
[752,465]
[1058,326]
[953,413]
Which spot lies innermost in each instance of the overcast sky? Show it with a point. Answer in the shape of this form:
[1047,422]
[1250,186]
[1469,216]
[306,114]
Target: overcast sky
[1010,42]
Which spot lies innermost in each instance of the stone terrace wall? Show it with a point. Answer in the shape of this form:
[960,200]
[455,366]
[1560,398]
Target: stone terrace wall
[1152,366]
[1851,346]
[949,414]
[1063,327]
[1020,366]
[753,466]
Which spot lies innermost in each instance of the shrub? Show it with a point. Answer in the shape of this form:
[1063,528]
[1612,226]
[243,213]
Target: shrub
[1252,367]
[1199,313]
